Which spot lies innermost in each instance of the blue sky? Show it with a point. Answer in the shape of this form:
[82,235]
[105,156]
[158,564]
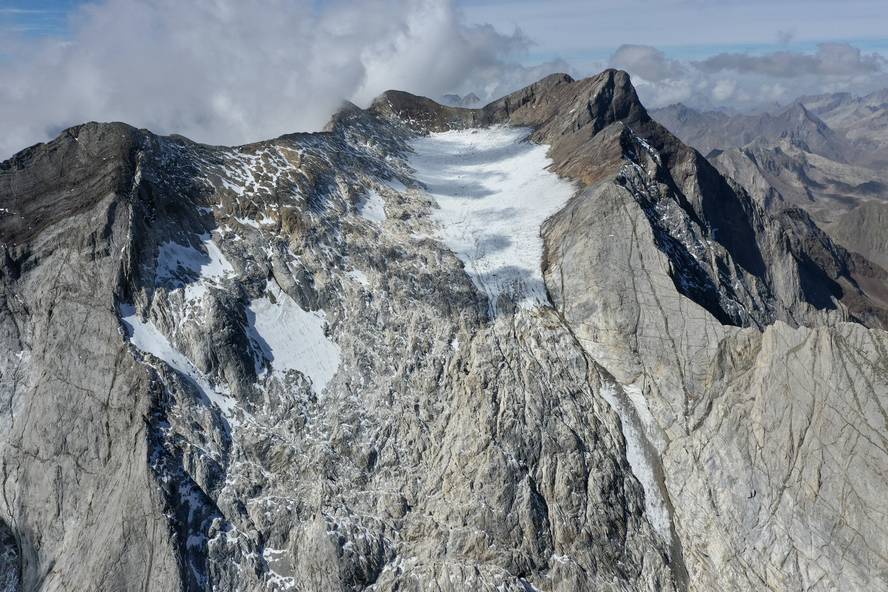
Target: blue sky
[36,17]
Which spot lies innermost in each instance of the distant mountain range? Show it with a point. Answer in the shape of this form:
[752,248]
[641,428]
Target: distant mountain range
[471,100]
[826,153]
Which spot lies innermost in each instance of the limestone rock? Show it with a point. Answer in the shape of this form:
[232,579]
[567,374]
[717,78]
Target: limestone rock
[266,368]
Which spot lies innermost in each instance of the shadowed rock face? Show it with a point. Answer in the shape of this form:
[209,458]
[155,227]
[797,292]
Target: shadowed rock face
[793,158]
[697,406]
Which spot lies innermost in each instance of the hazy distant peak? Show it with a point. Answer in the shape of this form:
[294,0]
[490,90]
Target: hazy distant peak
[454,100]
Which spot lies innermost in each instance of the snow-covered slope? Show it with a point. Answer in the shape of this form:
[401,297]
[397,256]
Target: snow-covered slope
[290,338]
[493,190]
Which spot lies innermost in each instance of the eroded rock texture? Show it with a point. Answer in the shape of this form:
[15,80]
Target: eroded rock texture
[263,367]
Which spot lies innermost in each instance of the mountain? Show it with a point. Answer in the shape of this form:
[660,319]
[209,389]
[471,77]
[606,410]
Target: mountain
[470,100]
[793,158]
[718,130]
[863,230]
[541,345]
[863,120]
[780,174]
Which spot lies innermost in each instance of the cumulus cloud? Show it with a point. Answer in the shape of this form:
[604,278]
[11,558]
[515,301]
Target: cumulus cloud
[233,71]
[648,62]
[745,80]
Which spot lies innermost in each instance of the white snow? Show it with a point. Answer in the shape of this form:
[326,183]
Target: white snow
[173,259]
[292,338]
[639,403]
[359,276]
[373,207]
[638,453]
[247,222]
[148,338]
[493,191]
[181,263]
[396,185]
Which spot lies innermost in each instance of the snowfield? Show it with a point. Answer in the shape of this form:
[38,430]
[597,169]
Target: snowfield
[493,191]
[629,404]
[373,207]
[292,338]
[146,337]
[184,266]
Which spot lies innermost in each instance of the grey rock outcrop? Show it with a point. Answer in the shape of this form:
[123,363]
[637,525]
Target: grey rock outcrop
[260,368]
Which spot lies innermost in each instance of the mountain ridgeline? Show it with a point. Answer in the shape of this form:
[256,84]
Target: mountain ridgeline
[824,154]
[538,345]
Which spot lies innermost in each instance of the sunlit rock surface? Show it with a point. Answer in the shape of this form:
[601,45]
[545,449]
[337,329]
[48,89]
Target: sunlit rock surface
[541,345]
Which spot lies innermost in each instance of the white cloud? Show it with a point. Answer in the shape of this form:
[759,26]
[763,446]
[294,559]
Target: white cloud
[648,62]
[233,71]
[744,80]
[723,90]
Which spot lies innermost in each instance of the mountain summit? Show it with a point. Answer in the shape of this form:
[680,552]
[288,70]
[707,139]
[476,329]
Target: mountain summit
[539,345]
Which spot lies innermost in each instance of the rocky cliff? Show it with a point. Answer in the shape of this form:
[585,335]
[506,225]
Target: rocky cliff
[541,345]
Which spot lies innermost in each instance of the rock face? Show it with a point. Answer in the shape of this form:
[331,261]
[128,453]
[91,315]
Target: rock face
[795,160]
[788,159]
[357,360]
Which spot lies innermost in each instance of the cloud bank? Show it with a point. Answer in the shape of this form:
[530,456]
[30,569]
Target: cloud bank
[744,80]
[234,71]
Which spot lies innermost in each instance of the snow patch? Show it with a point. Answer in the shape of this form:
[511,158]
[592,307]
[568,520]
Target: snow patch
[493,191]
[247,222]
[183,265]
[146,337]
[359,276]
[292,338]
[395,184]
[638,453]
[373,207]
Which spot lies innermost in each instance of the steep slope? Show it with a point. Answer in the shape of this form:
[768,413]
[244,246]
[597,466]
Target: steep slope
[73,437]
[793,159]
[444,448]
[404,354]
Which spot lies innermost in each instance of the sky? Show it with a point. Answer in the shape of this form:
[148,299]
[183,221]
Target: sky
[234,71]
